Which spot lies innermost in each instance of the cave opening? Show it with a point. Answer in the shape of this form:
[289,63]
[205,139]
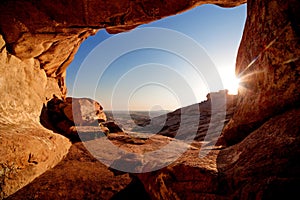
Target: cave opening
[217,30]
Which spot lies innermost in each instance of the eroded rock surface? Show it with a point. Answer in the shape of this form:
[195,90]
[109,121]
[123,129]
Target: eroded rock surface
[78,176]
[26,153]
[193,122]
[27,149]
[81,176]
[55,29]
[268,64]
[265,165]
[64,115]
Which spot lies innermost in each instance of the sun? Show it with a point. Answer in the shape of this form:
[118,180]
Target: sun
[232,84]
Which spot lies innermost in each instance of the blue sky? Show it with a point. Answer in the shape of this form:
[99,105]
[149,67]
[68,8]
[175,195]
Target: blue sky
[150,78]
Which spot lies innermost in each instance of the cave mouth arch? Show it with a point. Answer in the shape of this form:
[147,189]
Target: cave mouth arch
[218,30]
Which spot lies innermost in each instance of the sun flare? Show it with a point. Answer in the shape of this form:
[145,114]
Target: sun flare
[232,85]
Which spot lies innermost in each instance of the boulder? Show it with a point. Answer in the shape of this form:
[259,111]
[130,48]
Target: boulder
[111,126]
[26,153]
[83,111]
[265,165]
[66,115]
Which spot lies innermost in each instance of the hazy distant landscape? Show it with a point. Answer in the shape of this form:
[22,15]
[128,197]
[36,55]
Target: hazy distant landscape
[130,121]
[190,122]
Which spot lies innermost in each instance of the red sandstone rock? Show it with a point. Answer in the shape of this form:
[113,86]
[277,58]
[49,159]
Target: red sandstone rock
[268,64]
[112,127]
[54,30]
[170,124]
[66,115]
[26,148]
[83,111]
[265,165]
[78,176]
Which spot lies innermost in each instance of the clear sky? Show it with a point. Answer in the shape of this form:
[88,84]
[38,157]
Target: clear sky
[159,77]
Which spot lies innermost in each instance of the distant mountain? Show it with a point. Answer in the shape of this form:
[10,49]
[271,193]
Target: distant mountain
[129,120]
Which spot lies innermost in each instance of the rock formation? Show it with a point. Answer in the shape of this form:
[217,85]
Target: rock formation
[51,31]
[112,127]
[27,149]
[39,40]
[268,65]
[78,176]
[64,115]
[171,123]
[265,165]
[256,168]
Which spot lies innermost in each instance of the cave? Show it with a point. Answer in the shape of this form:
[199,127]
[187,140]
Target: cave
[258,152]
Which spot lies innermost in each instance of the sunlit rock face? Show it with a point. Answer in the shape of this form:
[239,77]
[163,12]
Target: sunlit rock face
[180,124]
[27,149]
[268,64]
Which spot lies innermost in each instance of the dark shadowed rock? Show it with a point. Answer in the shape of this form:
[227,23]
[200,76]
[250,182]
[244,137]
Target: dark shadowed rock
[78,176]
[140,120]
[265,165]
[112,127]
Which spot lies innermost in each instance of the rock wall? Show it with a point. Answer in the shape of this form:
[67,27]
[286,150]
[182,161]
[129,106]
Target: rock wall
[27,149]
[268,64]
